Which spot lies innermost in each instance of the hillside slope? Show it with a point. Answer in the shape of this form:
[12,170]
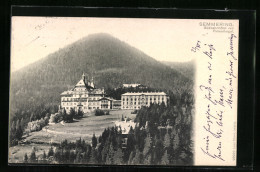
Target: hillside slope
[111,62]
[185,68]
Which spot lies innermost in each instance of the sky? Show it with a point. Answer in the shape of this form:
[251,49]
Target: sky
[33,38]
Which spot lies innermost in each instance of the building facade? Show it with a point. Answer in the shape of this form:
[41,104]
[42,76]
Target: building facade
[133,100]
[84,96]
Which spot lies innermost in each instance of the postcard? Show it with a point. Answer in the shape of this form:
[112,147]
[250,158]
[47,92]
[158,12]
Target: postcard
[123,91]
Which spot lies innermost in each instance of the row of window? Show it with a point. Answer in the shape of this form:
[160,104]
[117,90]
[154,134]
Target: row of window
[155,98]
[77,99]
[83,108]
[84,103]
[131,107]
[135,103]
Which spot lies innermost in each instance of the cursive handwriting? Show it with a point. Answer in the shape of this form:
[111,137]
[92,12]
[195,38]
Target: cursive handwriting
[231,71]
[210,52]
[221,98]
[220,117]
[231,46]
[196,47]
[218,93]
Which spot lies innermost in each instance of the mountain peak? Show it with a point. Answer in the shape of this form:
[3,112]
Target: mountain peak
[112,63]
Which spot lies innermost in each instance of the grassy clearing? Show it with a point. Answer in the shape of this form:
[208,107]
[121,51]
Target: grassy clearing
[16,153]
[90,124]
[83,128]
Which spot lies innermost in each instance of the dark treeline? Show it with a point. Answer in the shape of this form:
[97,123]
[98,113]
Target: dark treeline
[99,112]
[26,114]
[162,137]
[117,92]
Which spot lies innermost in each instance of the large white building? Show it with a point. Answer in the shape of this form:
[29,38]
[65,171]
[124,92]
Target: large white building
[136,100]
[84,96]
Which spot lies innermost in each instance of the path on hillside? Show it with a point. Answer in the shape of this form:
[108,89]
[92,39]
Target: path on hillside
[59,132]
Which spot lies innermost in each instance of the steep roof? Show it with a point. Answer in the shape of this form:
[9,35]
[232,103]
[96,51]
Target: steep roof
[83,84]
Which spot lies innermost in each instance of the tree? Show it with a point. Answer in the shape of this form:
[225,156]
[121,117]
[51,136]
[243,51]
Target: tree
[32,117]
[22,123]
[57,155]
[167,140]
[69,117]
[165,158]
[118,157]
[72,156]
[137,158]
[131,156]
[18,129]
[176,141]
[94,141]
[130,142]
[51,152]
[157,150]
[148,159]
[13,134]
[80,114]
[147,145]
[110,156]
[78,158]
[85,157]
[44,155]
[33,157]
[25,159]
[93,156]
[66,156]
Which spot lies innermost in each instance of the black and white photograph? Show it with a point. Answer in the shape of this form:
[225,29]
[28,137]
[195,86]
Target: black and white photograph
[123,91]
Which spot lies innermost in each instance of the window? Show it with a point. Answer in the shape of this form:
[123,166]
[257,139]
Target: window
[123,99]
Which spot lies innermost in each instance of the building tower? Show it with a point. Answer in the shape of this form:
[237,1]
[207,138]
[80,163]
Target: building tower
[92,82]
[83,76]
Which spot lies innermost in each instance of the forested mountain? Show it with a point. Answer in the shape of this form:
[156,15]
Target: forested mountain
[185,68]
[111,62]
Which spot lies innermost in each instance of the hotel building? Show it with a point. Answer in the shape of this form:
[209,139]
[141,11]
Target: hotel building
[84,96]
[137,100]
